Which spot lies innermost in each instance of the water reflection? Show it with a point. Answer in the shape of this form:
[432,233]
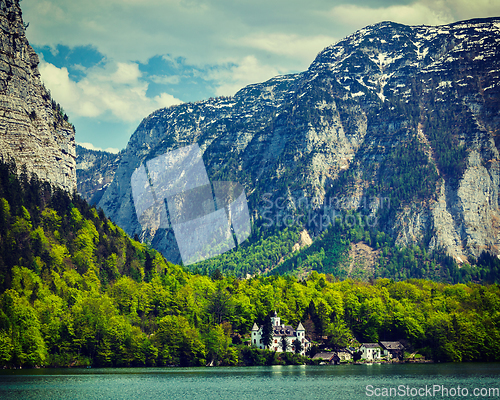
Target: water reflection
[276,382]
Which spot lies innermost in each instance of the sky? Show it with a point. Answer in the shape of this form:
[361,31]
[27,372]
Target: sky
[110,63]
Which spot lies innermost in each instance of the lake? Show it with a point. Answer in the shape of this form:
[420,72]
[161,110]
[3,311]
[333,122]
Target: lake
[236,383]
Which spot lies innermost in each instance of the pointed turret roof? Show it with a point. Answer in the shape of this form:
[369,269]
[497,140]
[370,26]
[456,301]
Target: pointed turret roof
[300,327]
[255,327]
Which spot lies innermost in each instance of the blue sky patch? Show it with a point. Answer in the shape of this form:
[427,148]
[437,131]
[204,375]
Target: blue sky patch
[72,58]
[186,82]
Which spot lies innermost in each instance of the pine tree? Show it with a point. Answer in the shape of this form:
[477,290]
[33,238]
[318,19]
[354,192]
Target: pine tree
[297,346]
[267,332]
[284,343]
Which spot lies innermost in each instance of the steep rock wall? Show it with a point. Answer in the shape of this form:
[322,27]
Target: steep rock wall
[95,170]
[408,113]
[33,130]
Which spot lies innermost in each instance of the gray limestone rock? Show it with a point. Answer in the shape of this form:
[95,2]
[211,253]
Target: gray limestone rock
[337,131]
[95,171]
[33,130]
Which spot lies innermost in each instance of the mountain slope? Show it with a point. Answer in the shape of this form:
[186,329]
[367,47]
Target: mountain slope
[397,122]
[94,172]
[34,131]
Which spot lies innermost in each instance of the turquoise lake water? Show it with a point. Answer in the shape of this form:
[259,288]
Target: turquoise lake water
[277,382]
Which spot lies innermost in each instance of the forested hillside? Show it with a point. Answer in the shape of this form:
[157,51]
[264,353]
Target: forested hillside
[272,252]
[75,291]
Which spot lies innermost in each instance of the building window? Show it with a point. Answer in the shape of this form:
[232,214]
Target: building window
[275,340]
[255,341]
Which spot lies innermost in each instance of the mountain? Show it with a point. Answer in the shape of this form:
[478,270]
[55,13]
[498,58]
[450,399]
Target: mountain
[34,130]
[95,170]
[396,123]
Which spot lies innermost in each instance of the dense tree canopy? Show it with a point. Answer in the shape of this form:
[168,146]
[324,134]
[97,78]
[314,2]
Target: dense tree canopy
[75,290]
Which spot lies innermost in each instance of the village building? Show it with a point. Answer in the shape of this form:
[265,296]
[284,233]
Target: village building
[334,357]
[370,351]
[344,355]
[280,331]
[392,349]
[330,357]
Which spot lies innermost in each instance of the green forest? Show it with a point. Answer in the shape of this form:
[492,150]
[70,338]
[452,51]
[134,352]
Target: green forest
[269,252]
[77,291]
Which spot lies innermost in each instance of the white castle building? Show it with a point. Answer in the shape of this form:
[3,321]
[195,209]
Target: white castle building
[279,331]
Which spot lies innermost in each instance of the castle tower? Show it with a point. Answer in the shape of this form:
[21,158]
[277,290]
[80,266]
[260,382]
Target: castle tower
[301,336]
[275,320]
[255,338]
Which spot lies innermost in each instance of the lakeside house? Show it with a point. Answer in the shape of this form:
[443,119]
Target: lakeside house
[392,349]
[327,357]
[374,351]
[334,357]
[280,331]
[345,355]
[370,351]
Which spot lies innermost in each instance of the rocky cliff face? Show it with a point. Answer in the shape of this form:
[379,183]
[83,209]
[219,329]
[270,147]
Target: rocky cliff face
[33,129]
[95,171]
[408,115]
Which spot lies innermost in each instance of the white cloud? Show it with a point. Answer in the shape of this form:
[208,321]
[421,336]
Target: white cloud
[67,93]
[114,89]
[456,10]
[90,146]
[246,71]
[206,32]
[422,12]
[291,45]
[166,100]
[126,30]
[284,34]
[413,14]
[258,39]
[126,73]
[165,79]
